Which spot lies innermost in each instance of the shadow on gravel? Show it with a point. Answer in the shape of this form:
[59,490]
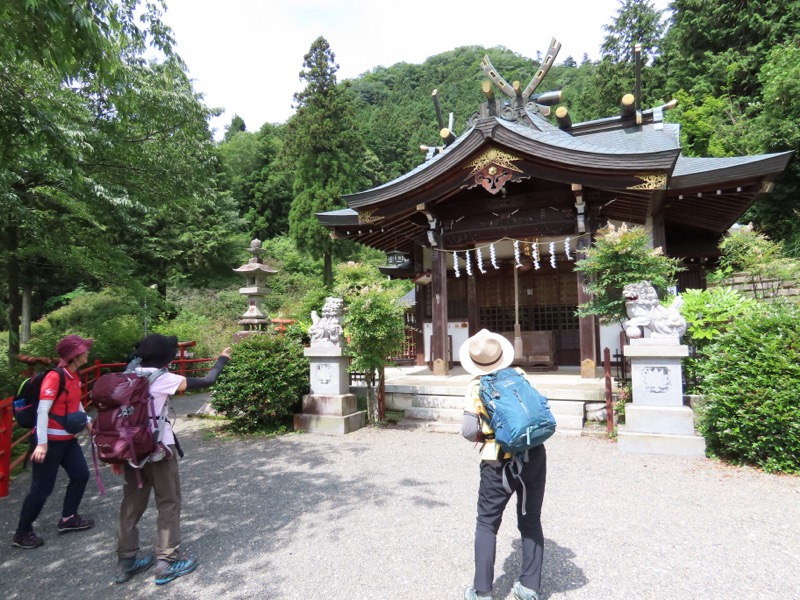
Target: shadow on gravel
[242,503]
[559,573]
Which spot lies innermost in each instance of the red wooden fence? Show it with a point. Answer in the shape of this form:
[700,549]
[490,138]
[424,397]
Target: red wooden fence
[184,365]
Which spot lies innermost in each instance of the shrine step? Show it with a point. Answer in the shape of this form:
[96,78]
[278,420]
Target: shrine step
[448,409]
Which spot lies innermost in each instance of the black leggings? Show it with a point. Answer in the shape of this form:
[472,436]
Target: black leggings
[492,500]
[67,454]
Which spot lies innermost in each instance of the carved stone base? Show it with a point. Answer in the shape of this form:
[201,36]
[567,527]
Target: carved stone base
[330,424]
[336,414]
[657,422]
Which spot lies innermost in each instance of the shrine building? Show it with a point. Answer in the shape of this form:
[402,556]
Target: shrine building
[490,225]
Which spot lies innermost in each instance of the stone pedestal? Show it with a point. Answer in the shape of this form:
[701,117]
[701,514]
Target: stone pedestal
[329,408]
[657,422]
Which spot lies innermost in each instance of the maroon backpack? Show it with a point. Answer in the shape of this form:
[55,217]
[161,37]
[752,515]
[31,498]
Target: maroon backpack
[127,430]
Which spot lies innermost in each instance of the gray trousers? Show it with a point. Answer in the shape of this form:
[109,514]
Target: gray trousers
[161,477]
[492,500]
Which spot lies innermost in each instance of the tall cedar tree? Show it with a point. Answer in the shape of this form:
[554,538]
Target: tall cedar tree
[636,22]
[717,48]
[327,152]
[736,59]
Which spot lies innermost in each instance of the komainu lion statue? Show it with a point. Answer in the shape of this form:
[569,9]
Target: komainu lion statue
[327,330]
[644,310]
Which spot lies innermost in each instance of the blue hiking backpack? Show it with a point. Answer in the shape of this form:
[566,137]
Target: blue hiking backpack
[518,414]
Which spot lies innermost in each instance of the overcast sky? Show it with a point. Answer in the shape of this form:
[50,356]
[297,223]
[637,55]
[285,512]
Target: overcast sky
[245,55]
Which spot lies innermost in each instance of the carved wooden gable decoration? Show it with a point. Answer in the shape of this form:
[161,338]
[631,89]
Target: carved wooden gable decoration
[493,169]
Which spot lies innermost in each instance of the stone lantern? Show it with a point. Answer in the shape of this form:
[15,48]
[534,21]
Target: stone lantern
[255,273]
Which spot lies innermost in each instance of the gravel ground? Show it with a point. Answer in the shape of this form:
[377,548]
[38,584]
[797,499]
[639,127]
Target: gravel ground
[389,513]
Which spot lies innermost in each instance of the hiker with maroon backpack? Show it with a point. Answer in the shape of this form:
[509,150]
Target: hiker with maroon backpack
[56,445]
[488,356]
[153,354]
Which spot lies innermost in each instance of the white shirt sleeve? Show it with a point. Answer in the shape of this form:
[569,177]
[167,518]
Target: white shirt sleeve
[42,419]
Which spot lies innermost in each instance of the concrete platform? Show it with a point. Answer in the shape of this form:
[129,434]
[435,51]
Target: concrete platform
[437,402]
[690,446]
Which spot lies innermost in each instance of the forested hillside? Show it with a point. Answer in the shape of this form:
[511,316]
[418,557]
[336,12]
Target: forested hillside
[109,175]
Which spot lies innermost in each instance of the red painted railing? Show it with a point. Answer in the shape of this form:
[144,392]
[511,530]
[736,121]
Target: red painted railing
[184,365]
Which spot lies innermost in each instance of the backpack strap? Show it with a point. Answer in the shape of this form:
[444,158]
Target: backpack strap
[514,468]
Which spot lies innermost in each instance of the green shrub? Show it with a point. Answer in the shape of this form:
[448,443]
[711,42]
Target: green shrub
[210,335]
[751,384]
[263,383]
[619,256]
[111,317]
[708,313]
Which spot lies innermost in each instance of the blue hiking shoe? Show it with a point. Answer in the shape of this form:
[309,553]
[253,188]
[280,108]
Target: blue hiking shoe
[471,594]
[523,593]
[128,567]
[167,571]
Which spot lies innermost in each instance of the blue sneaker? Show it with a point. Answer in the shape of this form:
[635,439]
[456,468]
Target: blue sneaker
[167,571]
[471,594]
[523,593]
[128,567]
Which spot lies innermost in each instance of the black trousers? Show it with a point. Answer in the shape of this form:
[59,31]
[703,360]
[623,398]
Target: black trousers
[66,454]
[492,500]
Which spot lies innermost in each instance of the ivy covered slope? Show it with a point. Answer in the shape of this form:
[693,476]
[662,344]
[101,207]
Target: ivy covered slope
[751,383]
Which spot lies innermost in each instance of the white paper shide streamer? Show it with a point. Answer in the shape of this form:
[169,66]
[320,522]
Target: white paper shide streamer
[552,249]
[455,264]
[480,260]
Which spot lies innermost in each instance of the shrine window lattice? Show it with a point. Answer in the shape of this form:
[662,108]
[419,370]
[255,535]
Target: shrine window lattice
[531,318]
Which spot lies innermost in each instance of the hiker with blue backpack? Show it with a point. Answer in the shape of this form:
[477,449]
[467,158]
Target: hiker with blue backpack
[160,473]
[57,414]
[511,420]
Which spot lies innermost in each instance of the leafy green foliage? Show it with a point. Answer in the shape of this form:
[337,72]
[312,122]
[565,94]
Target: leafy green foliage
[636,22]
[751,385]
[374,322]
[718,47]
[111,317]
[262,384]
[760,260]
[326,150]
[708,313]
[617,257]
[102,149]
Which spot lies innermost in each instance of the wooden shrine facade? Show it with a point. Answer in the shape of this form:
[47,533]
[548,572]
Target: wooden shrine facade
[492,223]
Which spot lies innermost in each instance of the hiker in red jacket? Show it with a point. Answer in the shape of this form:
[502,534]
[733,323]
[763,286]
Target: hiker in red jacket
[484,353]
[56,445]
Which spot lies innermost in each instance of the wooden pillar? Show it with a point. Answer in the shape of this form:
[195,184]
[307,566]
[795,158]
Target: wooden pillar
[473,313]
[440,351]
[658,232]
[587,326]
[419,308]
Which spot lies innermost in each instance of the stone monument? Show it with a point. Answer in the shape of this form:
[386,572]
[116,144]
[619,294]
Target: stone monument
[656,422]
[330,407]
[255,273]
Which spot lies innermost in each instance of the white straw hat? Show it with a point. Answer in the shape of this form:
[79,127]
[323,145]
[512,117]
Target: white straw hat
[485,352]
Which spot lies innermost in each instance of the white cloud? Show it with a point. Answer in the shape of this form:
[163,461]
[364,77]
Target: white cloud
[246,55]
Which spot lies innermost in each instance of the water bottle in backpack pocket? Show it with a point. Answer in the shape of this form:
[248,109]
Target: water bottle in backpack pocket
[518,414]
